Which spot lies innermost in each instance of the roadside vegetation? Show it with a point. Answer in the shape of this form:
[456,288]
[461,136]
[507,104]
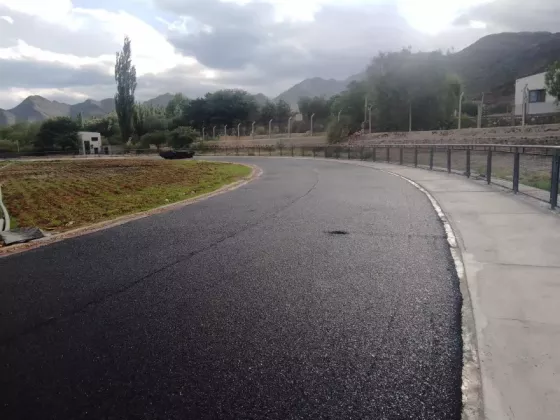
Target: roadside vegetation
[65,194]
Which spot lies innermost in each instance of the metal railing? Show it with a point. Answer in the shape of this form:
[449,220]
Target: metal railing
[525,169]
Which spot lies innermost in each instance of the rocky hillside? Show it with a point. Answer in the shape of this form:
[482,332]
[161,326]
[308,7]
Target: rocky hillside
[312,87]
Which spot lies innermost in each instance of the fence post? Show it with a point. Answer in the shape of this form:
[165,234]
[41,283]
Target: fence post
[302,151]
[489,166]
[313,150]
[415,156]
[401,157]
[281,151]
[468,163]
[448,159]
[388,154]
[362,153]
[270,151]
[237,151]
[432,158]
[348,152]
[554,178]
[292,150]
[516,171]
[373,157]
[259,150]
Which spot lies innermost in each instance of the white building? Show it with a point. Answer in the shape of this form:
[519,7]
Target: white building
[90,143]
[538,101]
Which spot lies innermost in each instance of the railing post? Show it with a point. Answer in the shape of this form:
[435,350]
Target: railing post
[373,152]
[489,166]
[388,154]
[401,153]
[448,159]
[432,158]
[516,171]
[415,156]
[468,163]
[292,150]
[554,178]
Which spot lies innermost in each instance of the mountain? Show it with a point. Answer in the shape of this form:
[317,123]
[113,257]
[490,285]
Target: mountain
[161,100]
[315,86]
[260,99]
[491,65]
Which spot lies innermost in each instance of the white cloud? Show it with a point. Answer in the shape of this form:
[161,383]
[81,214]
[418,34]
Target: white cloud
[7,19]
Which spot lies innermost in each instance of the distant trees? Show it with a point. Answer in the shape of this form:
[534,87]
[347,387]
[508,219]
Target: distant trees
[552,80]
[107,126]
[58,134]
[125,76]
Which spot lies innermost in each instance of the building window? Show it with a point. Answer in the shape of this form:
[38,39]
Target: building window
[97,138]
[537,96]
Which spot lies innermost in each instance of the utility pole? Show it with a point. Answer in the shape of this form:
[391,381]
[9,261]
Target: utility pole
[289,127]
[311,128]
[460,109]
[409,116]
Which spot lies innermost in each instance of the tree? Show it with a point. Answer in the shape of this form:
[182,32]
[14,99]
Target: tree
[107,126]
[139,116]
[182,137]
[267,112]
[125,76]
[58,133]
[283,111]
[552,80]
[175,106]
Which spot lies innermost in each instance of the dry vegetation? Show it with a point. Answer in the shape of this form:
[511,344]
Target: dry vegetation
[62,195]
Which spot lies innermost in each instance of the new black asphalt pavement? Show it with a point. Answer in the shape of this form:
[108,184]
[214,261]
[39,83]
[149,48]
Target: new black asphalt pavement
[319,290]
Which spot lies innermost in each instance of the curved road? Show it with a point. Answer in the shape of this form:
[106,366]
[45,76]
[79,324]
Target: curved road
[245,306]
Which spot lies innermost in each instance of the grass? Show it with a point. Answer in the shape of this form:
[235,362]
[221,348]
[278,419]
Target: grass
[63,195]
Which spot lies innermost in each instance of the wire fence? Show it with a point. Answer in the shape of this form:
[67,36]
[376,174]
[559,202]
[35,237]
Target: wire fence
[529,170]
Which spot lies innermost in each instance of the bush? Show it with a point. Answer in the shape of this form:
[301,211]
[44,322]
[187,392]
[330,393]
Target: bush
[157,138]
[182,137]
[337,131]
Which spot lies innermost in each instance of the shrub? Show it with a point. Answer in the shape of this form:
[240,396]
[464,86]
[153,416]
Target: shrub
[337,131]
[7,146]
[157,138]
[182,137]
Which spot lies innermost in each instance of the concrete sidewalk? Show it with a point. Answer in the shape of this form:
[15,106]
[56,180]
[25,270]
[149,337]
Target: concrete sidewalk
[511,252]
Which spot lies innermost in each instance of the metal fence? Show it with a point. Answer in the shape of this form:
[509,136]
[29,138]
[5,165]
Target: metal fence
[530,170]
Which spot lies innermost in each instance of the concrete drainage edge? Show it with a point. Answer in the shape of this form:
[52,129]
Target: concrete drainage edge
[471,381]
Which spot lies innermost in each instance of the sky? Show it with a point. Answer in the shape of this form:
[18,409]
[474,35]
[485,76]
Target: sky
[65,49]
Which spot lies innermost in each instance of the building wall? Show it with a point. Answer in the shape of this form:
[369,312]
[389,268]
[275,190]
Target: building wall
[89,136]
[533,82]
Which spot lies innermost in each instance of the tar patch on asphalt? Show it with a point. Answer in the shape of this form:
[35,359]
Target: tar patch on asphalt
[337,232]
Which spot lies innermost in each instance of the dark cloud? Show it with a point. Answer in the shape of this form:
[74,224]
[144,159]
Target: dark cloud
[29,74]
[338,43]
[516,15]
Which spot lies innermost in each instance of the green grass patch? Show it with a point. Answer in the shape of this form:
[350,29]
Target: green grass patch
[63,195]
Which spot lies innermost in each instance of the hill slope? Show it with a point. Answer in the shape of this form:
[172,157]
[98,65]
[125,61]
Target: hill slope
[312,87]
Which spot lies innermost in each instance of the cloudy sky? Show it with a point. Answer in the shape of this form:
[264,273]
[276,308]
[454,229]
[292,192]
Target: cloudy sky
[65,49]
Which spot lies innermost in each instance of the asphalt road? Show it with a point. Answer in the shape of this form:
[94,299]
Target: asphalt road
[244,306]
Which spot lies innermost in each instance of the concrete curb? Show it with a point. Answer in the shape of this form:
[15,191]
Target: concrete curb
[16,249]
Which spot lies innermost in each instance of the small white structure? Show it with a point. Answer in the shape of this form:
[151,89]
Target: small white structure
[90,143]
[531,91]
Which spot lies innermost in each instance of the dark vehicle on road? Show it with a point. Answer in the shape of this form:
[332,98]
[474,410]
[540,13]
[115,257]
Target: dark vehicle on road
[177,154]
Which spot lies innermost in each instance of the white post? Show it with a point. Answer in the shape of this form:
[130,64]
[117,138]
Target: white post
[253,130]
[270,129]
[410,116]
[238,131]
[214,132]
[311,128]
[225,130]
[339,112]
[289,127]
[203,132]
[460,109]
[370,120]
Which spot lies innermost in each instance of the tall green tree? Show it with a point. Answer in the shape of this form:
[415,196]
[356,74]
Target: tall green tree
[552,80]
[107,126]
[125,76]
[283,111]
[175,106]
[267,112]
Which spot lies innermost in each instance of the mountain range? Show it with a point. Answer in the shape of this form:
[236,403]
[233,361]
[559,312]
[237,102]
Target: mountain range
[490,65]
